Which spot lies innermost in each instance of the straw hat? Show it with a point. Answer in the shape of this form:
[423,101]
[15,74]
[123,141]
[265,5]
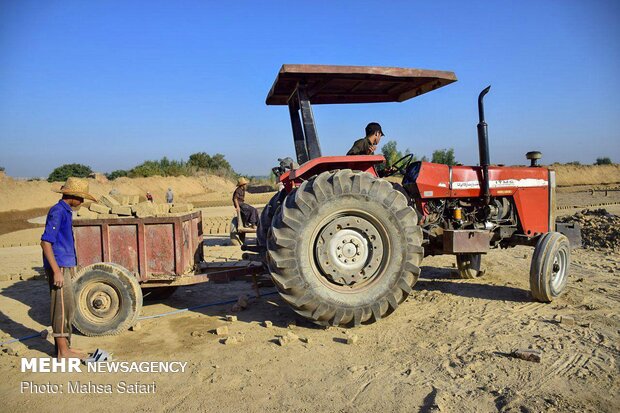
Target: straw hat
[242,181]
[76,187]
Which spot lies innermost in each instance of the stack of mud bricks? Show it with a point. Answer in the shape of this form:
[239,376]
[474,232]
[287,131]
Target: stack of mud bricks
[129,206]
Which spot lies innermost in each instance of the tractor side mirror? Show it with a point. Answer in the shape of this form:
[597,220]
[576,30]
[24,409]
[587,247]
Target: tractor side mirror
[533,156]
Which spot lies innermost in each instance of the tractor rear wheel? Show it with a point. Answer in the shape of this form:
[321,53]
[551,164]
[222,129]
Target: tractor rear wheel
[469,265]
[549,268]
[108,299]
[345,248]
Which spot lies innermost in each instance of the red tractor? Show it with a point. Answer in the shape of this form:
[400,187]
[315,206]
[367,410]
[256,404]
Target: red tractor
[344,246]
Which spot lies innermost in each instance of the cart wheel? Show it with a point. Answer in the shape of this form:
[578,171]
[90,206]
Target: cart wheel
[236,238]
[158,293]
[108,299]
[469,265]
[549,269]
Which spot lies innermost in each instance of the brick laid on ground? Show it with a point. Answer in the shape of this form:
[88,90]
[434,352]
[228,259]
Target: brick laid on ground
[221,331]
[122,210]
[98,208]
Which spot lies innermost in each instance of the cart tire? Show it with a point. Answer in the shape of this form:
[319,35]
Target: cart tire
[469,265]
[345,249]
[108,299]
[266,217]
[236,238]
[549,268]
[158,293]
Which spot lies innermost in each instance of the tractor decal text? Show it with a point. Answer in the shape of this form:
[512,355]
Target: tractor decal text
[502,183]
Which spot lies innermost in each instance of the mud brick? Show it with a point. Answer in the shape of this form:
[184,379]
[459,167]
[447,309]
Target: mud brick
[569,321]
[98,208]
[267,324]
[221,331]
[86,214]
[230,340]
[292,336]
[528,355]
[231,318]
[107,216]
[122,199]
[144,209]
[182,208]
[162,208]
[109,201]
[121,210]
[283,340]
[352,339]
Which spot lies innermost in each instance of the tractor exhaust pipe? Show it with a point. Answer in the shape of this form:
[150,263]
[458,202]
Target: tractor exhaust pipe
[483,147]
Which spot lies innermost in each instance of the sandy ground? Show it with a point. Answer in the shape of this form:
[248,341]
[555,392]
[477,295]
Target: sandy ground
[447,348]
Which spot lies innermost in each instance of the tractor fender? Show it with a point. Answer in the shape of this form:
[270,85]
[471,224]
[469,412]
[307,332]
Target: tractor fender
[364,163]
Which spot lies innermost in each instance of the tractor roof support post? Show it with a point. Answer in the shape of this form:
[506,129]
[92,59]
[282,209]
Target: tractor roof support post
[298,133]
[312,138]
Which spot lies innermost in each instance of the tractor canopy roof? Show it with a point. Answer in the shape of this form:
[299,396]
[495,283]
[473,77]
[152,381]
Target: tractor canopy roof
[355,84]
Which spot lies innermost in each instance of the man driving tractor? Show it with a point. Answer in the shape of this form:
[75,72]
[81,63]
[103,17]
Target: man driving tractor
[367,145]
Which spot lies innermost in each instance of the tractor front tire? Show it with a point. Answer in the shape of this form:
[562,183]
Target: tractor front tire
[108,299]
[549,268]
[469,265]
[345,249]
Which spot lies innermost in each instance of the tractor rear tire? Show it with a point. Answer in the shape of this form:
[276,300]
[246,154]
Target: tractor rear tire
[345,249]
[262,233]
[469,265]
[108,299]
[549,268]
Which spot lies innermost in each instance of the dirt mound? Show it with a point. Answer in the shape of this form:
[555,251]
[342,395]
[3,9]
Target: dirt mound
[19,195]
[599,228]
[569,175]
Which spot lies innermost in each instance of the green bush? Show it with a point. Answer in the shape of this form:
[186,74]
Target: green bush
[116,174]
[203,160]
[63,172]
[1,168]
[444,156]
[603,161]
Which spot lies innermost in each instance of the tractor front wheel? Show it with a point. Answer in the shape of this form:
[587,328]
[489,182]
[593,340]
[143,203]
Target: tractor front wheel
[549,268]
[469,265]
[345,248]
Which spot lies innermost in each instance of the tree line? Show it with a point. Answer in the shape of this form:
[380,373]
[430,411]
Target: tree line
[200,162]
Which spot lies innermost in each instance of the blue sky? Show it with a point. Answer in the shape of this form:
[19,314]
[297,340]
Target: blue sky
[111,84]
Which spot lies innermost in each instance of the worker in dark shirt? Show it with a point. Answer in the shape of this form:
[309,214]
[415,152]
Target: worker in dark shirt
[59,261]
[249,214]
[367,145]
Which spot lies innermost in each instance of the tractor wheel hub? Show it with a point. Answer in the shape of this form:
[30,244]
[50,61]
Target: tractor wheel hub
[349,250]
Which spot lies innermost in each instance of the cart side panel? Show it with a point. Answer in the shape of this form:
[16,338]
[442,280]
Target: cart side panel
[88,244]
[124,246]
[160,248]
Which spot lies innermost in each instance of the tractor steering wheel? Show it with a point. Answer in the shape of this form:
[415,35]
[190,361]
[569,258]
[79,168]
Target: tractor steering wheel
[401,165]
